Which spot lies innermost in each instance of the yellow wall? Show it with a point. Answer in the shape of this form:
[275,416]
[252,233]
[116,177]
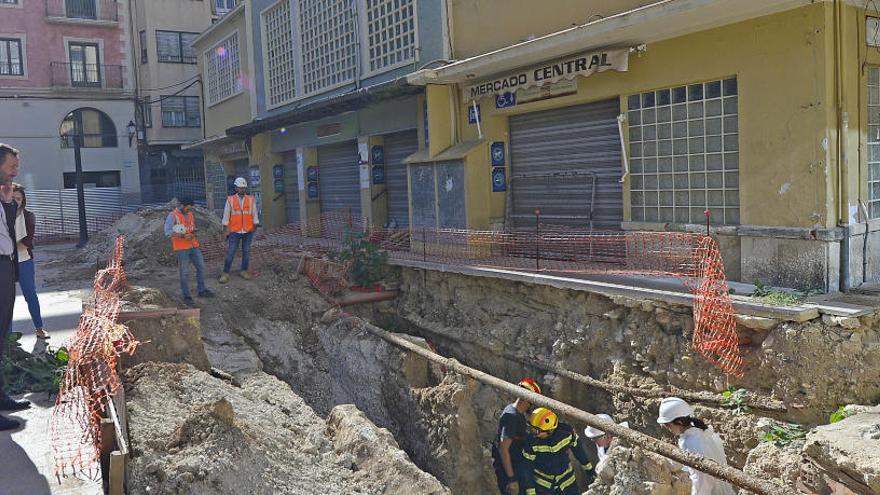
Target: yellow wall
[784,110]
[480,26]
[237,109]
[274,204]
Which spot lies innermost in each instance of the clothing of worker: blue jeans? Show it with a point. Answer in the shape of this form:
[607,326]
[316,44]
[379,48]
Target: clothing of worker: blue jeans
[234,240]
[27,282]
[184,258]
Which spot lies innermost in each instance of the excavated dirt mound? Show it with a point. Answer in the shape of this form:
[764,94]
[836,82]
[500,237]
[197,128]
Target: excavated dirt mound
[146,247]
[195,434]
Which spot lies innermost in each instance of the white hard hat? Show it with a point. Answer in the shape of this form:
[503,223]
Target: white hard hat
[240,182]
[591,432]
[672,408]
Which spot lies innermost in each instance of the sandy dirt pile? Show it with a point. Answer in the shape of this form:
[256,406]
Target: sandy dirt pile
[192,433]
[146,247]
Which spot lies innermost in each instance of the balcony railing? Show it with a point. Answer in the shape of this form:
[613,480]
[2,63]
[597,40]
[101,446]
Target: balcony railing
[79,75]
[89,10]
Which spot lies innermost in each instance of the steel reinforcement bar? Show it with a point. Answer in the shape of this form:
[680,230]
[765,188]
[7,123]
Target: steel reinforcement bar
[704,464]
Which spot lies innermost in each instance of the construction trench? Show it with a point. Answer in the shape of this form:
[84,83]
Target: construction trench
[314,399]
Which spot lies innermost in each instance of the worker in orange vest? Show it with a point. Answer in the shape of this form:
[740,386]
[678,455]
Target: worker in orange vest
[241,219]
[180,226]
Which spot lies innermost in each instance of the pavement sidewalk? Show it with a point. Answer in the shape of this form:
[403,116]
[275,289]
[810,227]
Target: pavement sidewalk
[27,466]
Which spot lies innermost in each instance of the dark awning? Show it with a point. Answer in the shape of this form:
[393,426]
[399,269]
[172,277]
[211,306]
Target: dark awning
[346,102]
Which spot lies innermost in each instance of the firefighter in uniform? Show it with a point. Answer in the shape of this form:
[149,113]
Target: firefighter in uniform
[546,456]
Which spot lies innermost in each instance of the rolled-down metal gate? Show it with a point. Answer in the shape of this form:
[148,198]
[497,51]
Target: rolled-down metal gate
[566,163]
[339,178]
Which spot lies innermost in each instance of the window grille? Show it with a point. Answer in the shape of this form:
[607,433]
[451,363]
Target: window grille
[278,42]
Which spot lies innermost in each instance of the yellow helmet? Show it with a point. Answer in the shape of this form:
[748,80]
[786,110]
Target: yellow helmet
[544,419]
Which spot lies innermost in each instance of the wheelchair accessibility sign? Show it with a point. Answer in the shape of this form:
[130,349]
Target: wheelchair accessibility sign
[505,100]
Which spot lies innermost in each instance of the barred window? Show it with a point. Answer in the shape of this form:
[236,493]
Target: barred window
[874,142]
[175,47]
[278,40]
[390,32]
[181,111]
[223,71]
[11,57]
[327,37]
[684,154]
[142,38]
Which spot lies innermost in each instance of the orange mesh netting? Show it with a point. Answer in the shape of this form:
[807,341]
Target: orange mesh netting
[629,257]
[91,377]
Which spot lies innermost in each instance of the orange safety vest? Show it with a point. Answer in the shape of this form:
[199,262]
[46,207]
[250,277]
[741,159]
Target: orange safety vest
[241,216]
[179,243]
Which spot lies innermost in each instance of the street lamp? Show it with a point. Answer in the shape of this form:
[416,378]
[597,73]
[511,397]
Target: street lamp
[132,130]
[77,134]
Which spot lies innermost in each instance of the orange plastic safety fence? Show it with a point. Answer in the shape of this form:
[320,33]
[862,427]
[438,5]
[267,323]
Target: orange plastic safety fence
[91,378]
[692,258]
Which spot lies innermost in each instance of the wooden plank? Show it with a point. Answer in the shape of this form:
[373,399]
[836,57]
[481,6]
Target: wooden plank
[158,313]
[117,473]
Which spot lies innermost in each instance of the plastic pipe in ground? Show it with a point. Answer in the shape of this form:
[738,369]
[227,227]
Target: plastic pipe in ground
[706,465]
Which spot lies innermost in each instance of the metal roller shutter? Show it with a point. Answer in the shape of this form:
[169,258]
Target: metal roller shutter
[397,147]
[554,156]
[291,187]
[339,178]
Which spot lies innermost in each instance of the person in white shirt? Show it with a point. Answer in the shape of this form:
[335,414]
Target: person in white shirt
[695,436]
[25,225]
[240,217]
[600,438]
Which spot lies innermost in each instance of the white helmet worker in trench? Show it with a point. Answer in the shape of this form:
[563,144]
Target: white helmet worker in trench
[600,438]
[677,416]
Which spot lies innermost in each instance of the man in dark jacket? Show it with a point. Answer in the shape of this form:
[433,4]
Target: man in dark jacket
[8,270]
[546,456]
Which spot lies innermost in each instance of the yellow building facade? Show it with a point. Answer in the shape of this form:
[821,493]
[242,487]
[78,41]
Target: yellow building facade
[646,119]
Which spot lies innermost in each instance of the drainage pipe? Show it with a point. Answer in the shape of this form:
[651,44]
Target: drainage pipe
[665,449]
[758,403]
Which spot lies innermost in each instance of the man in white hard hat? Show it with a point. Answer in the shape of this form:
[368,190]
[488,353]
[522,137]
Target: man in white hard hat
[600,438]
[240,218]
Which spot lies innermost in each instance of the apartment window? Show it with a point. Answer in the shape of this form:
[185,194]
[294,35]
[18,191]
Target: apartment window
[181,111]
[223,6]
[85,64]
[98,130]
[328,44]
[142,36]
[874,142]
[223,71]
[147,114]
[278,40]
[684,154]
[175,47]
[109,178]
[9,2]
[11,60]
[391,32]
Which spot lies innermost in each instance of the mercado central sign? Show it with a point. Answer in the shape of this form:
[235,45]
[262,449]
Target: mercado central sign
[584,64]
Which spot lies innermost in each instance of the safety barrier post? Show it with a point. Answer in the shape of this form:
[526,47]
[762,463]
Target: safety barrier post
[537,240]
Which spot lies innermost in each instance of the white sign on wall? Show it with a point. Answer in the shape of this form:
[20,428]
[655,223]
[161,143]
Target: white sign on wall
[584,65]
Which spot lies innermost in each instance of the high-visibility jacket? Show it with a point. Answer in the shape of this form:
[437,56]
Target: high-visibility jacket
[547,458]
[241,213]
[179,243]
